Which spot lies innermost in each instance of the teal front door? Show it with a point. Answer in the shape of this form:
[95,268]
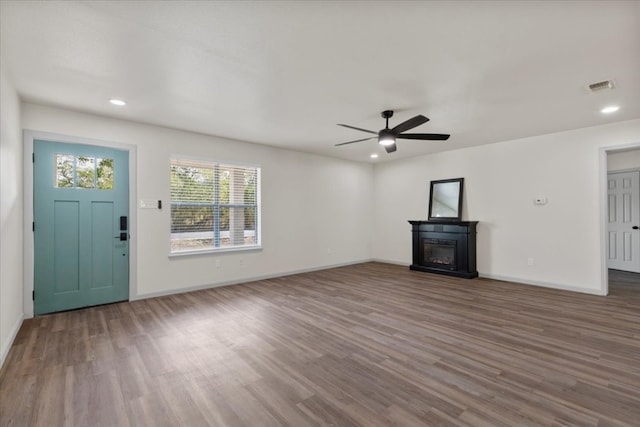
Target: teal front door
[81,226]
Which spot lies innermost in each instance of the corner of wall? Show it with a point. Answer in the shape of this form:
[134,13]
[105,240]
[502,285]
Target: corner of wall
[7,343]
[11,214]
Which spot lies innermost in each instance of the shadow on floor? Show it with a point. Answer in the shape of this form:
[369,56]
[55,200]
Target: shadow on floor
[623,282]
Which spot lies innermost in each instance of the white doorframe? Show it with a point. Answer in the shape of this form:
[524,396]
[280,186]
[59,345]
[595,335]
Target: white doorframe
[28,251]
[604,246]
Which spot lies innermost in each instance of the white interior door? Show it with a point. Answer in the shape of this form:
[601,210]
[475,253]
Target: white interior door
[624,221]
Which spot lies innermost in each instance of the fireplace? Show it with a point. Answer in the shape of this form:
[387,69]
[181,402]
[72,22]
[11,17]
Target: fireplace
[439,253]
[445,247]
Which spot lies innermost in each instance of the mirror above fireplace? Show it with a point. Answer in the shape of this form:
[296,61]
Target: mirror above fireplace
[445,200]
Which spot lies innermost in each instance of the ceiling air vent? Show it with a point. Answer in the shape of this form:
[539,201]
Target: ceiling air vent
[603,85]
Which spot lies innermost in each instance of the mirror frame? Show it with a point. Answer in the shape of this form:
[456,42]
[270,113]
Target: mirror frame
[434,184]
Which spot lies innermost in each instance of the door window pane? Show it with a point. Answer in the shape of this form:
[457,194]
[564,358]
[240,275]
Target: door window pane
[86,171]
[83,172]
[105,173]
[64,170]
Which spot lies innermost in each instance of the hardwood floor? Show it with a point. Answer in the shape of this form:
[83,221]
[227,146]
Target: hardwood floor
[365,345]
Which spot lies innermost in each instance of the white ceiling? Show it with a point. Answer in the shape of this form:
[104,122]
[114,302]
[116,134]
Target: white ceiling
[284,73]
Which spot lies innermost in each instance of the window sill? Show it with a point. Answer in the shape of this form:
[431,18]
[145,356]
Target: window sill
[215,251]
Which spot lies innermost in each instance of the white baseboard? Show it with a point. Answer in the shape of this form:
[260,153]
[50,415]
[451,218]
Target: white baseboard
[389,261]
[243,280]
[598,292]
[12,336]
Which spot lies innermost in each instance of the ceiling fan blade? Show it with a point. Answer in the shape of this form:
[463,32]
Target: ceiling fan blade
[424,136]
[353,127]
[390,148]
[410,124]
[357,140]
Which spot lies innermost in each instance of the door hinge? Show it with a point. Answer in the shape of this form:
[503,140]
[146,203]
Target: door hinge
[33,295]
[33,226]
[33,157]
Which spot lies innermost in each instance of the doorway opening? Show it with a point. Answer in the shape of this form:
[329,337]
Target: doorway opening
[620,206]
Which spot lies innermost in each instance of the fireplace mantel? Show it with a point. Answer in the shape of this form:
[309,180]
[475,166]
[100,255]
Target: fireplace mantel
[445,247]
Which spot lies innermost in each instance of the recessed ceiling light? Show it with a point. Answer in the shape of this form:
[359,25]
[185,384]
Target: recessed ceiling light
[610,109]
[118,102]
[374,156]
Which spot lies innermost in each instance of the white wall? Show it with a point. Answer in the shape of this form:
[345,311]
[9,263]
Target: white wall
[624,159]
[316,211]
[501,181]
[320,212]
[11,213]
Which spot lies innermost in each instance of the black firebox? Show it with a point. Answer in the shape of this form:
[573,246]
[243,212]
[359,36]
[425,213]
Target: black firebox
[445,247]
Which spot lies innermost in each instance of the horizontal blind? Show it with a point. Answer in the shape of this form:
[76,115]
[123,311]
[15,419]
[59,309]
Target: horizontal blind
[213,205]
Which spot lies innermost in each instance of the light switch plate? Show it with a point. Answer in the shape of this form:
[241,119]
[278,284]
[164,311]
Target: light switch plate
[148,204]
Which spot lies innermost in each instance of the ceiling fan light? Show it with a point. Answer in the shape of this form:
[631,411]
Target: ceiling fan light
[386,138]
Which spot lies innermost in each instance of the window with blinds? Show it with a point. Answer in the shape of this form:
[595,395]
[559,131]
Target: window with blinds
[214,206]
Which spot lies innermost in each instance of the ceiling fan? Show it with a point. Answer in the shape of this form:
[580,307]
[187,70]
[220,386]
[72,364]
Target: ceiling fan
[387,137]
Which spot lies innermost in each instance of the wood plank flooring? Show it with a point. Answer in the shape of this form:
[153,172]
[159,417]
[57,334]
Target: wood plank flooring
[364,345]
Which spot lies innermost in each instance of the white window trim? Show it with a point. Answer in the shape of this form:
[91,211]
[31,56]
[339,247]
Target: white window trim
[209,251]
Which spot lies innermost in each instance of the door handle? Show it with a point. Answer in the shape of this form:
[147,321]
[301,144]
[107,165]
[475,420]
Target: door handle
[635,227]
[122,237]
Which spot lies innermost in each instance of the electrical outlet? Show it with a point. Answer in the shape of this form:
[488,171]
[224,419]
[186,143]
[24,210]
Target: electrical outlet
[529,261]
[540,201]
[218,263]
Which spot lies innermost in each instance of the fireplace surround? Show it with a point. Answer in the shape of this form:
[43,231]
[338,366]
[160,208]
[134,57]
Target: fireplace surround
[445,247]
